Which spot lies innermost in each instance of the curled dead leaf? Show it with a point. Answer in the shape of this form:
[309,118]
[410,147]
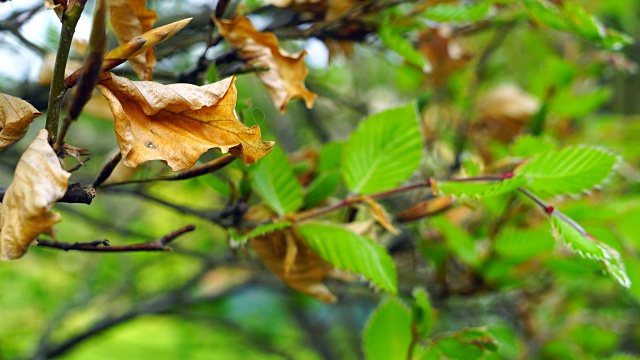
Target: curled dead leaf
[39,181]
[130,18]
[426,208]
[291,259]
[378,213]
[285,78]
[15,117]
[177,123]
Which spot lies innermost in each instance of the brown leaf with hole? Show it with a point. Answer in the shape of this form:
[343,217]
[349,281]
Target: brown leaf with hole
[179,122]
[291,259]
[285,78]
[38,182]
[130,18]
[15,117]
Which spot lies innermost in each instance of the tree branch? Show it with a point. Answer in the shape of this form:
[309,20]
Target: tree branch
[105,246]
[76,194]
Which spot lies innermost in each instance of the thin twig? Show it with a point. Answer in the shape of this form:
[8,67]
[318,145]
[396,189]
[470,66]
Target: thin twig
[206,168]
[107,169]
[76,194]
[105,246]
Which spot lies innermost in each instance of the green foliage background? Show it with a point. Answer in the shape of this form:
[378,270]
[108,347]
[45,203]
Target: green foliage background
[497,279]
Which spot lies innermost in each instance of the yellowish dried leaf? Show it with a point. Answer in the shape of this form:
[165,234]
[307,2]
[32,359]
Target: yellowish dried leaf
[38,182]
[285,78]
[378,213]
[130,18]
[179,122]
[57,8]
[304,271]
[15,117]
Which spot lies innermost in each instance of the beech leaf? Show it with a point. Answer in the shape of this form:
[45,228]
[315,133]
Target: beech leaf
[285,78]
[15,117]
[130,18]
[39,181]
[293,261]
[177,123]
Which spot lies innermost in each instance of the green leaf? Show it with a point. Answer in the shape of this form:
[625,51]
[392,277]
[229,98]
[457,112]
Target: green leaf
[392,38]
[329,157]
[459,350]
[273,179]
[383,152]
[477,190]
[522,244]
[322,187]
[584,244]
[422,312]
[569,171]
[216,184]
[352,252]
[528,145]
[240,239]
[457,240]
[451,13]
[387,334]
[573,18]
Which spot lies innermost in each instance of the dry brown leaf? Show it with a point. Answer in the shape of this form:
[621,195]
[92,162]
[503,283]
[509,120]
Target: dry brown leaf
[502,115]
[305,273]
[177,123]
[426,208]
[129,19]
[15,117]
[505,110]
[379,214]
[38,182]
[57,8]
[285,78]
[443,52]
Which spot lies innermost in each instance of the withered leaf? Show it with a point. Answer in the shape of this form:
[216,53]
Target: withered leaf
[378,213]
[179,122]
[15,117]
[291,259]
[285,78]
[39,181]
[129,19]
[501,115]
[445,54]
[134,47]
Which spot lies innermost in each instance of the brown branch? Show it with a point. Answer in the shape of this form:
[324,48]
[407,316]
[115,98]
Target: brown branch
[75,194]
[206,168]
[107,169]
[105,245]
